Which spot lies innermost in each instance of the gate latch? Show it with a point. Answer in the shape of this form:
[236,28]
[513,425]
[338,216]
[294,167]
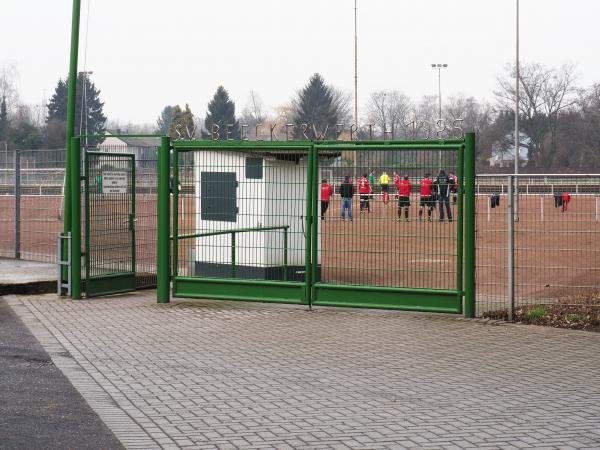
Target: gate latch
[132,220]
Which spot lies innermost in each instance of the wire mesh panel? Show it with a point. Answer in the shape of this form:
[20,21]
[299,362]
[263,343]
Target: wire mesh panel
[31,200]
[144,150]
[240,213]
[556,240]
[109,223]
[394,221]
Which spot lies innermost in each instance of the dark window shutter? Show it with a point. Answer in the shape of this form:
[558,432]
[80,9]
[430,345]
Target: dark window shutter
[218,199]
[254,168]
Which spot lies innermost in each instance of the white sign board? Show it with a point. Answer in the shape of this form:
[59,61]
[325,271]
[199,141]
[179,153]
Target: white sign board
[114,182]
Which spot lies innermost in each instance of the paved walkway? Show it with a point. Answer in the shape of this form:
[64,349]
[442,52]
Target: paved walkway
[238,375]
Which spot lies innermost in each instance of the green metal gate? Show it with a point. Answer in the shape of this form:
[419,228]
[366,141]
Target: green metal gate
[252,229]
[109,252]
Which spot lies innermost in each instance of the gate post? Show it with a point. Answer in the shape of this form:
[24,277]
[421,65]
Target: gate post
[469,230]
[163,221]
[75,172]
[17,204]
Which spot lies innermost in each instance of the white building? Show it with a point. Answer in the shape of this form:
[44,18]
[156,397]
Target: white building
[503,151]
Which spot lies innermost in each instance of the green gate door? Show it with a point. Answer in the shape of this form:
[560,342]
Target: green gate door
[109,223]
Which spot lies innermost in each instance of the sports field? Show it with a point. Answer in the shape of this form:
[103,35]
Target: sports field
[556,253]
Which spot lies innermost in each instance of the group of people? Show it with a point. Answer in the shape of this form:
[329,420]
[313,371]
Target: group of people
[440,189]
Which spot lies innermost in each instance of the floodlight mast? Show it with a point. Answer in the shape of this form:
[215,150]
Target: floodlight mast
[72,153]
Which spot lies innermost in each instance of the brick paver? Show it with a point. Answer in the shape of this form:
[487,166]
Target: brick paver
[225,375]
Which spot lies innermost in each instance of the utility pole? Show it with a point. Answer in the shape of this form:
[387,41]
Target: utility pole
[70,129]
[355,77]
[517,140]
[439,68]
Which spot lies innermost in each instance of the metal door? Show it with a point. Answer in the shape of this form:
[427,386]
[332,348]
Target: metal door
[109,223]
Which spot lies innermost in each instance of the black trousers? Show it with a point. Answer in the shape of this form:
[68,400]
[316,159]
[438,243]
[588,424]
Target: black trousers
[324,207]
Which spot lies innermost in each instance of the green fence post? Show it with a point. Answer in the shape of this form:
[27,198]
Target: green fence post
[315,223]
[163,222]
[469,254]
[307,240]
[460,176]
[75,170]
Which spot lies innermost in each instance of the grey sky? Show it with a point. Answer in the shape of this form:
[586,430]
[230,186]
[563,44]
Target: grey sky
[148,53]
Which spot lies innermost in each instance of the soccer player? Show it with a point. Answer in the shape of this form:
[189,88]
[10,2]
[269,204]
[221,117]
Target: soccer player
[454,186]
[384,181]
[566,199]
[346,192]
[404,189]
[364,189]
[371,182]
[427,200]
[444,183]
[326,191]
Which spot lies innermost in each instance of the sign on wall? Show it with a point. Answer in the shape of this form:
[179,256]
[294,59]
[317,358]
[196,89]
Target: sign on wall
[114,182]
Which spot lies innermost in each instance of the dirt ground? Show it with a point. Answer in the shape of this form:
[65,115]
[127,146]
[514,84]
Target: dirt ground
[557,253]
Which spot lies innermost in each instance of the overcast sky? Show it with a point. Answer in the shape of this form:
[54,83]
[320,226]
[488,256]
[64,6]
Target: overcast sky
[149,53]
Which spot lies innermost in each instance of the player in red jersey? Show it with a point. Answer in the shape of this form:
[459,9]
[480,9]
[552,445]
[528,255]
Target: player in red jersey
[326,192]
[566,199]
[404,189]
[427,199]
[364,189]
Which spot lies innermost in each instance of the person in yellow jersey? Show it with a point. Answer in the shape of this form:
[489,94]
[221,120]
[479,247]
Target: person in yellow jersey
[384,181]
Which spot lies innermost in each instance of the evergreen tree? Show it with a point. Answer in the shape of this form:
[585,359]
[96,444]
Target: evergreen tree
[3,120]
[181,125]
[316,106]
[164,120]
[93,119]
[221,112]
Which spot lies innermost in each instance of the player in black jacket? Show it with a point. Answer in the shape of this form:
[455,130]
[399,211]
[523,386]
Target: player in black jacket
[444,184]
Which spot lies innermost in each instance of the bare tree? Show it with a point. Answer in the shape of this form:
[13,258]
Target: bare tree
[545,93]
[9,77]
[389,111]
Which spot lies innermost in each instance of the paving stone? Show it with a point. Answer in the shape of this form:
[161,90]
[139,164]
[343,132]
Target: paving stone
[209,374]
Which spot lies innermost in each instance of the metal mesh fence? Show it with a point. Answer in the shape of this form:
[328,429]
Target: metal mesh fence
[31,200]
[556,242]
[145,205]
[242,214]
[391,234]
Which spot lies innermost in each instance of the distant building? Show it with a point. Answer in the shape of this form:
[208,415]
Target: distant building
[503,151]
[144,149]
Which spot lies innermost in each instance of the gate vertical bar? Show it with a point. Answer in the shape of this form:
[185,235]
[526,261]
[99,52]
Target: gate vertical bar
[307,238]
[163,222]
[76,219]
[175,191]
[469,227]
[17,204]
[511,248]
[459,213]
[132,217]
[315,220]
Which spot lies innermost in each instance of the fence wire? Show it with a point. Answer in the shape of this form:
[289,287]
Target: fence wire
[242,215]
[388,234]
[556,243]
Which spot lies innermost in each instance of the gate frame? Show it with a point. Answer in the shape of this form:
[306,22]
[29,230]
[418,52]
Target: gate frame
[459,300]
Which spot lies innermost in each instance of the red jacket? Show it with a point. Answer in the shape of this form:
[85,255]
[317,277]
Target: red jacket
[566,198]
[426,184]
[326,191]
[363,186]
[404,188]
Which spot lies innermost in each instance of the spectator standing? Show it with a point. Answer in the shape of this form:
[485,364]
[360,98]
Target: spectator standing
[444,184]
[326,192]
[346,192]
